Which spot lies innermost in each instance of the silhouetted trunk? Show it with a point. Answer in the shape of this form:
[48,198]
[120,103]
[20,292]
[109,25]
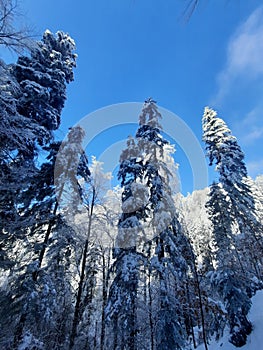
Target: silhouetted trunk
[105,277]
[190,319]
[81,280]
[45,243]
[150,312]
[19,331]
[200,306]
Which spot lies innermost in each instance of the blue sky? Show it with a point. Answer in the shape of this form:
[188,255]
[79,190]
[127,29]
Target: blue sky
[129,50]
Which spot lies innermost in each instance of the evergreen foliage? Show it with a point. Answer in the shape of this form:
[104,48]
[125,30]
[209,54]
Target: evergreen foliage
[231,209]
[136,267]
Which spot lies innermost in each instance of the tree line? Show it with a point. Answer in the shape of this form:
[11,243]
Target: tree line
[82,268]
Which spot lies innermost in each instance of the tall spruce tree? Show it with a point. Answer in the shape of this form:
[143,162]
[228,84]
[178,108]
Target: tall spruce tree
[235,226]
[223,150]
[121,309]
[33,98]
[170,258]
[17,133]
[43,76]
[228,280]
[149,220]
[33,93]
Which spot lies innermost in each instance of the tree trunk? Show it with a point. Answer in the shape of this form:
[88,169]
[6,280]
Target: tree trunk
[19,331]
[200,305]
[105,277]
[76,320]
[190,316]
[150,312]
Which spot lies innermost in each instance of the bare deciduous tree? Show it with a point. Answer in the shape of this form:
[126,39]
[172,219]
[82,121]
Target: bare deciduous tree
[13,35]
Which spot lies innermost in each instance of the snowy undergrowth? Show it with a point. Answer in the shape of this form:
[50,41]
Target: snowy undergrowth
[254,340]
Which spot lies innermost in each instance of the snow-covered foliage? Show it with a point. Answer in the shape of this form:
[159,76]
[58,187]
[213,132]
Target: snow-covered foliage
[42,77]
[83,266]
[32,92]
[236,227]
[150,239]
[223,149]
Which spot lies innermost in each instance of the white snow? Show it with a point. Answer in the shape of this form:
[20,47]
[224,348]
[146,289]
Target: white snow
[254,340]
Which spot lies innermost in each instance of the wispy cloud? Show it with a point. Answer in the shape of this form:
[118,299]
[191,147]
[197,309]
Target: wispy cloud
[250,128]
[253,135]
[255,168]
[244,55]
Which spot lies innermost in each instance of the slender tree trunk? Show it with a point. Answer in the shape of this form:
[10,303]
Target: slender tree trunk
[19,331]
[200,305]
[105,277]
[150,312]
[75,321]
[255,264]
[239,260]
[115,333]
[45,243]
[132,316]
[190,316]
[95,336]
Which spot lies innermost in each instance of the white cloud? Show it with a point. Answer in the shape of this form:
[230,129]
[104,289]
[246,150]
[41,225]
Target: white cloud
[255,168]
[253,135]
[250,129]
[252,117]
[244,54]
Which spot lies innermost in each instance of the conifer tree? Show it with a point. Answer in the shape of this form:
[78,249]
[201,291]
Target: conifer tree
[170,259]
[228,280]
[33,92]
[232,212]
[17,133]
[42,77]
[223,150]
[148,211]
[121,308]
[33,100]
[34,289]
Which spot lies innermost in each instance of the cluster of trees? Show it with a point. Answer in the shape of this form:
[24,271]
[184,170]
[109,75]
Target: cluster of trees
[130,268]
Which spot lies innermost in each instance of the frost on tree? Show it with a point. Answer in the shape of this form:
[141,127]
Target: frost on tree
[32,96]
[223,150]
[231,209]
[43,77]
[121,308]
[149,239]
[33,92]
[169,247]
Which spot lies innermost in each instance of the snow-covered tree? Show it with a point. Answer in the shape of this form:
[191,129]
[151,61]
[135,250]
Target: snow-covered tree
[121,309]
[150,239]
[45,248]
[231,208]
[86,223]
[170,247]
[33,92]
[228,279]
[223,150]
[194,218]
[43,76]
[32,96]
[17,133]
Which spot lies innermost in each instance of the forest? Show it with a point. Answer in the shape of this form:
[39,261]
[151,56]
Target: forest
[139,266]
